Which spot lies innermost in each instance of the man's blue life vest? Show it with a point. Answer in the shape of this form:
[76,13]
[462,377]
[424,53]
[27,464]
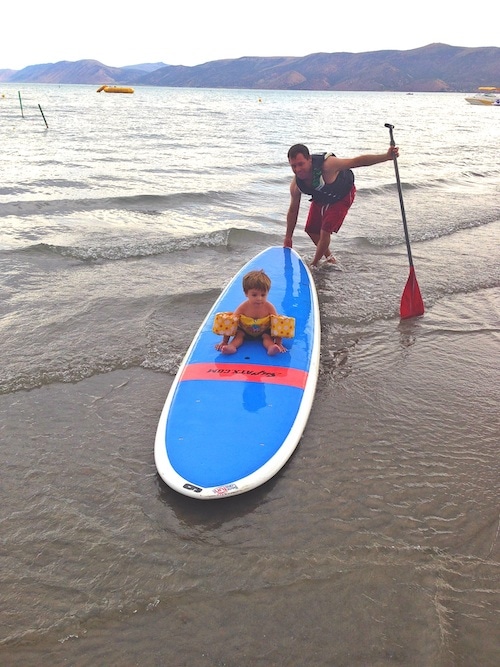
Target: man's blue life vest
[326,193]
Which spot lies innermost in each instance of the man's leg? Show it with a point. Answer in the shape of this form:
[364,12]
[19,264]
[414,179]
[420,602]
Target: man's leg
[332,217]
[322,247]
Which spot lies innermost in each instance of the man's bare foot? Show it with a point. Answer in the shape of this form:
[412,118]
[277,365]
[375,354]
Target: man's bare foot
[330,259]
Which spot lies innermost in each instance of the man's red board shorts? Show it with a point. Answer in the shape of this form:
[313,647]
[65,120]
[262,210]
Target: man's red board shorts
[329,217]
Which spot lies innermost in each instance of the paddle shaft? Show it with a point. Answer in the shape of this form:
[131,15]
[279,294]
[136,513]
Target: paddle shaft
[400,192]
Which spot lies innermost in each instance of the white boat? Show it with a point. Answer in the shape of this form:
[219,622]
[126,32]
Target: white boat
[487,96]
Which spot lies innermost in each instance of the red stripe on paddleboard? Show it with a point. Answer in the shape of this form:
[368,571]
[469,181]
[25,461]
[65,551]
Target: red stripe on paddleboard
[291,377]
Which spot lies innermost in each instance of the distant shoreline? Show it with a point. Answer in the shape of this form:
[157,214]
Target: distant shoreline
[432,68]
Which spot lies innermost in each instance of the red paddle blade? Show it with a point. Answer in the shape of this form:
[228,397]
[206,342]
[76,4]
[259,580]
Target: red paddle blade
[411,299]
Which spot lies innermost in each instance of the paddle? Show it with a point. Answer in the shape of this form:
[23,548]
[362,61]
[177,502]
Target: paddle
[411,299]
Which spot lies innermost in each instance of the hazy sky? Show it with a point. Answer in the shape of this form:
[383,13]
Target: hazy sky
[190,33]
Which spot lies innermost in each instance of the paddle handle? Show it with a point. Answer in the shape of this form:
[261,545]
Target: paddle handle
[400,192]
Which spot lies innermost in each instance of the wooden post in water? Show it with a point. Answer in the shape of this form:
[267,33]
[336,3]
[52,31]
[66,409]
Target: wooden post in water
[43,116]
[21,103]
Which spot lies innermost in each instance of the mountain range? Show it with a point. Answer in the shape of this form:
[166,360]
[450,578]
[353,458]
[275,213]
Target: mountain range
[431,68]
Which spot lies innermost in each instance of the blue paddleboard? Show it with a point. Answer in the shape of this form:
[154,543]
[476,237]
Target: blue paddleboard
[231,422]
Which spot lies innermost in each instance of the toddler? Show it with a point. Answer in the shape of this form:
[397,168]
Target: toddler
[254,316]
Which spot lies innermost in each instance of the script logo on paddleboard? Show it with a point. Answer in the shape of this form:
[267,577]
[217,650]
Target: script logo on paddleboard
[242,371]
[291,377]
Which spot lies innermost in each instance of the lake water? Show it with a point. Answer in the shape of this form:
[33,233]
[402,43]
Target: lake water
[378,544]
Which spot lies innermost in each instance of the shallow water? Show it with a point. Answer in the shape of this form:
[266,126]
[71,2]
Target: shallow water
[378,543]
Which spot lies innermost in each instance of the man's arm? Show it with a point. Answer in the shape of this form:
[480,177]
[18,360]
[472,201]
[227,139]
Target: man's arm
[293,213]
[333,165]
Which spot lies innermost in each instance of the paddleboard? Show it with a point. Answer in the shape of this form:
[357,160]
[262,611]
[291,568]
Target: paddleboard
[231,422]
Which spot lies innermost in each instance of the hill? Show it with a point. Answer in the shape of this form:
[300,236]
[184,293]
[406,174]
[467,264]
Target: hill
[82,71]
[432,68]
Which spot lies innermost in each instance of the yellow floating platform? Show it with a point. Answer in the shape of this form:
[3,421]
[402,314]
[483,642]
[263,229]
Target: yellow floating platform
[115,89]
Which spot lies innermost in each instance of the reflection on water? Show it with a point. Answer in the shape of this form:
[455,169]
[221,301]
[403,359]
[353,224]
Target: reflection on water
[201,518]
[254,396]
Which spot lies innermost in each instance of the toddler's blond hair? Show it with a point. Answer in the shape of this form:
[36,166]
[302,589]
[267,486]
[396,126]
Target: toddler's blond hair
[256,280]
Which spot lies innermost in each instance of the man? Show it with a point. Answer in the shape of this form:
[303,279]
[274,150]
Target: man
[330,182]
